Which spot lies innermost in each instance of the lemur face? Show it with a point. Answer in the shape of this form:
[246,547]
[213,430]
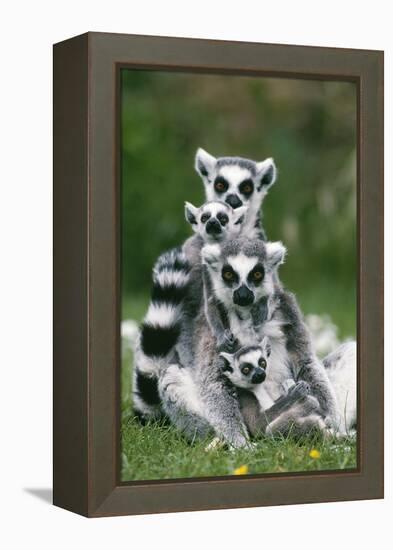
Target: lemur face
[215,221]
[235,180]
[247,367]
[242,270]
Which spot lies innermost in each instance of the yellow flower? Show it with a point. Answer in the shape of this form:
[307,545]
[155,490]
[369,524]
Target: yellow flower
[314,453]
[241,470]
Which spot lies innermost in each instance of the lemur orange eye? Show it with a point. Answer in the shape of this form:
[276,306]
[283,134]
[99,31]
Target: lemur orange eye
[258,275]
[246,187]
[220,185]
[228,275]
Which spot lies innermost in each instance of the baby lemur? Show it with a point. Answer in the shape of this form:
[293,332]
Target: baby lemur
[246,368]
[295,412]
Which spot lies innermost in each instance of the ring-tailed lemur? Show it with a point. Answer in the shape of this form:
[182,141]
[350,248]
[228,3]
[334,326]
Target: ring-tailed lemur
[296,411]
[340,365]
[243,279]
[174,274]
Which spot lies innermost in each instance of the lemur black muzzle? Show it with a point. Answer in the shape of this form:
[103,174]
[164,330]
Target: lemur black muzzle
[213,227]
[234,201]
[259,376]
[243,296]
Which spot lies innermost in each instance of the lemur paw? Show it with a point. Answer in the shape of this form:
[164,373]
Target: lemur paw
[215,444]
[333,429]
[239,443]
[288,384]
[299,390]
[228,342]
[311,405]
[218,443]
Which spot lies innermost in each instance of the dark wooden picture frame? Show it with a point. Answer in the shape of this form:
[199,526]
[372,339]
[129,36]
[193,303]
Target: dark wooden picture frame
[87,274]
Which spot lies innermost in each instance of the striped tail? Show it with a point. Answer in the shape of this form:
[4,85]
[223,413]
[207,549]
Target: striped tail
[161,327]
[159,331]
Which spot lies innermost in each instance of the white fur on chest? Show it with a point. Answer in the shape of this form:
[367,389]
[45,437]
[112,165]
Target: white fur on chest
[242,329]
[278,371]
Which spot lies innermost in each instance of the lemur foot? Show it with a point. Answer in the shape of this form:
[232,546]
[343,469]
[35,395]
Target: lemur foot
[239,442]
[312,423]
[310,405]
[218,443]
[332,433]
[214,445]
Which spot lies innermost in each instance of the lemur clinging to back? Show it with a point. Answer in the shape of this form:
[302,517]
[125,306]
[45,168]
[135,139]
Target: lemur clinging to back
[239,183]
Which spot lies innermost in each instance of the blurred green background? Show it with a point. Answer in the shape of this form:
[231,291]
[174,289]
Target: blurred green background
[309,127]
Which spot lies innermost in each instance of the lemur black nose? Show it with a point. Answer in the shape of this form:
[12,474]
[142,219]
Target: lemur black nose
[259,376]
[243,296]
[213,227]
[234,201]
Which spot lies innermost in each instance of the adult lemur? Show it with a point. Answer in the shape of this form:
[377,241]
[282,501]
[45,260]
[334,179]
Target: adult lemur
[276,314]
[242,277]
[237,182]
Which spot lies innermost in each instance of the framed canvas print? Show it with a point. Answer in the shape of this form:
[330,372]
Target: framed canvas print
[218,274]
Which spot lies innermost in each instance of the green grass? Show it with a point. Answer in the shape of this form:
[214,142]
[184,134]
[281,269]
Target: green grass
[156,451]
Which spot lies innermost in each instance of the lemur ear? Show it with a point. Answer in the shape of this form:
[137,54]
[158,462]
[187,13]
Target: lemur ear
[191,213]
[275,254]
[238,214]
[210,256]
[226,363]
[204,163]
[266,174]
